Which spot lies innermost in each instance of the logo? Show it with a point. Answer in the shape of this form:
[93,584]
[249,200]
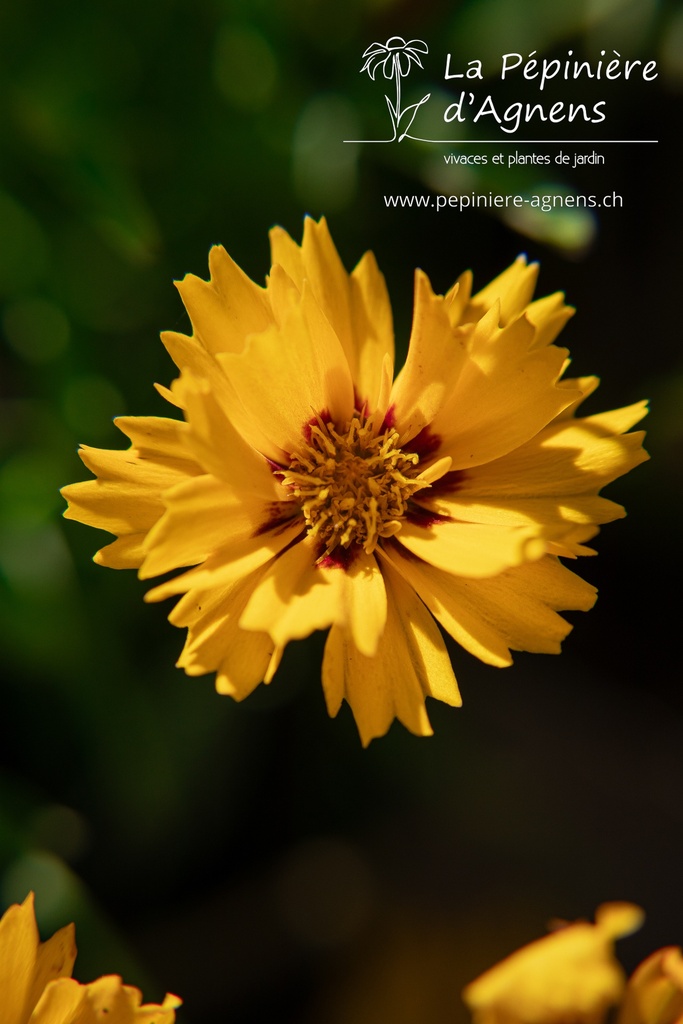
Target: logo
[395,58]
[471,105]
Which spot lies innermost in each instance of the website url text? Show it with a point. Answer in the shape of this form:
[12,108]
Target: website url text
[489,200]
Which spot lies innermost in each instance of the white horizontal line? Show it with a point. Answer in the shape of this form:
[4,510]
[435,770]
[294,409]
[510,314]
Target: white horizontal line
[520,142]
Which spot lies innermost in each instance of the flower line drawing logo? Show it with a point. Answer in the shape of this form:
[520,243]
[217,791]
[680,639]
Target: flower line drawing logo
[396,57]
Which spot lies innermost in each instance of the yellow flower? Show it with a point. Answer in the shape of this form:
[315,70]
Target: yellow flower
[36,985]
[306,490]
[567,977]
[654,993]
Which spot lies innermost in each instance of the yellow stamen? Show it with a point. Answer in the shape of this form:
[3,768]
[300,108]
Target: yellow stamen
[353,486]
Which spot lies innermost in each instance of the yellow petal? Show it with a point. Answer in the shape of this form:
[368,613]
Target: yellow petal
[372,332]
[436,357]
[157,458]
[617,421]
[472,549]
[68,1002]
[26,965]
[411,663]
[188,353]
[285,253]
[357,305]
[568,460]
[232,562]
[618,918]
[513,289]
[284,293]
[548,316]
[114,505]
[126,498]
[219,447]
[517,609]
[215,643]
[201,371]
[203,516]
[227,308]
[540,512]
[124,553]
[168,395]
[572,543]
[384,394]
[253,659]
[142,471]
[295,597]
[289,374]
[504,395]
[458,298]
[298,596]
[364,602]
[584,385]
[654,993]
[328,279]
[55,959]
[569,975]
[248,432]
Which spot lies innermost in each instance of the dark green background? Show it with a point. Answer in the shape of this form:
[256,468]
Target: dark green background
[253,858]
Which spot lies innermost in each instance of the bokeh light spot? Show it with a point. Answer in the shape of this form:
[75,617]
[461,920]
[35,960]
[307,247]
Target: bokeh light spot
[325,892]
[23,247]
[29,481]
[244,68]
[35,562]
[89,403]
[573,231]
[61,830]
[672,48]
[626,21]
[36,329]
[324,167]
[46,876]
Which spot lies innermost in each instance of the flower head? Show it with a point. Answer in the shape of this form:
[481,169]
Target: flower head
[394,57]
[302,489]
[36,986]
[569,977]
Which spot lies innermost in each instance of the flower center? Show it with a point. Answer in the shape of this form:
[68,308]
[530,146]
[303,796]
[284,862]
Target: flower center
[353,487]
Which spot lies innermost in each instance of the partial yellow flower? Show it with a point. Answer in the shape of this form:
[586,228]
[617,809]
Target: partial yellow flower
[304,490]
[36,985]
[654,993]
[568,977]
[107,999]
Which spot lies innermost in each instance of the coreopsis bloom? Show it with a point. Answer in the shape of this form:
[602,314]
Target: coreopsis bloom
[568,977]
[302,489]
[36,986]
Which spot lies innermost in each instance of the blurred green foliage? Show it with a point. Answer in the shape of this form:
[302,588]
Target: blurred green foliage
[255,858]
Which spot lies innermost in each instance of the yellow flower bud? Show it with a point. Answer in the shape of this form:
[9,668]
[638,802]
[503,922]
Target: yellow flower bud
[654,993]
[567,977]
